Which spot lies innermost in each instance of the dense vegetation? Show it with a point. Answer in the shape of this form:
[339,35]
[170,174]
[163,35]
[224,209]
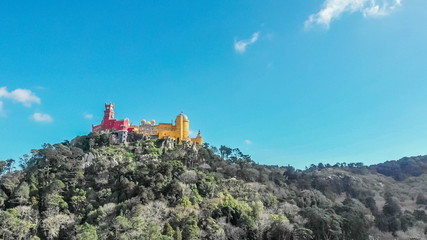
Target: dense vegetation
[90,188]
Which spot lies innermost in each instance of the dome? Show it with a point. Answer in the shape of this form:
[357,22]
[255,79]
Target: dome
[183,115]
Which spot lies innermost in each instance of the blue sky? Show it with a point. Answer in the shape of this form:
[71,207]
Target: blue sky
[294,83]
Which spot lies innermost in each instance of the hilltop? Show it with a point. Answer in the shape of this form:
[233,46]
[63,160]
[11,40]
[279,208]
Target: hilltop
[92,188]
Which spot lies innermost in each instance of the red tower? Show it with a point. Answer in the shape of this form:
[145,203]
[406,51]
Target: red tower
[109,111]
[110,123]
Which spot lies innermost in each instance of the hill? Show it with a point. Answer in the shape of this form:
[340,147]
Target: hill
[90,188]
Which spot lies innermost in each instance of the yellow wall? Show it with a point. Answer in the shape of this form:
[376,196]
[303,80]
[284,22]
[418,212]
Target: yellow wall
[179,131]
[197,140]
[136,129]
[165,130]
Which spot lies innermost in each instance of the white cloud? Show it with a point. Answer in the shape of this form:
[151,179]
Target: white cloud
[24,96]
[2,114]
[240,46]
[42,117]
[333,9]
[248,142]
[3,92]
[88,116]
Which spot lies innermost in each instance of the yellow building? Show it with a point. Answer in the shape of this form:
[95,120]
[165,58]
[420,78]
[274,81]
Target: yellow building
[179,131]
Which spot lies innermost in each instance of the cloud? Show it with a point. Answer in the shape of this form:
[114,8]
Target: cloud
[88,116]
[3,92]
[24,96]
[240,46]
[42,117]
[333,9]
[2,114]
[248,142]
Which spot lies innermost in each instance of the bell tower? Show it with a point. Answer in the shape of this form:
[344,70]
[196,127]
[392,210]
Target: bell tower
[109,111]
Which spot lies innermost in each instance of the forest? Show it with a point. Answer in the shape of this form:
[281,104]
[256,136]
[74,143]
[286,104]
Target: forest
[90,188]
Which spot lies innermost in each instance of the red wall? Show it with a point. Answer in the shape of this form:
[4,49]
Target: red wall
[108,124]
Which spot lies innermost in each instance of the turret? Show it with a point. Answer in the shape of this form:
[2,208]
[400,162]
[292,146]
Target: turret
[199,138]
[182,126]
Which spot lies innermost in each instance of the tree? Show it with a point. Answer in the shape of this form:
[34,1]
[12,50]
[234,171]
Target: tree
[212,230]
[21,195]
[391,206]
[206,186]
[225,152]
[354,224]
[190,229]
[280,228]
[78,201]
[9,164]
[86,232]
[301,233]
[391,214]
[168,230]
[178,234]
[421,199]
[3,165]
[13,227]
[25,161]
[290,173]
[53,225]
[324,223]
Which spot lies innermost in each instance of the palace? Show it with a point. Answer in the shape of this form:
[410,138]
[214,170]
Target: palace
[179,131]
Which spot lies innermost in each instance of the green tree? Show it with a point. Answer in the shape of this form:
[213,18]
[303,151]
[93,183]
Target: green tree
[225,152]
[21,195]
[190,229]
[9,164]
[391,213]
[78,201]
[178,234]
[168,230]
[354,224]
[86,232]
[13,227]
[3,165]
[324,223]
[25,161]
[280,228]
